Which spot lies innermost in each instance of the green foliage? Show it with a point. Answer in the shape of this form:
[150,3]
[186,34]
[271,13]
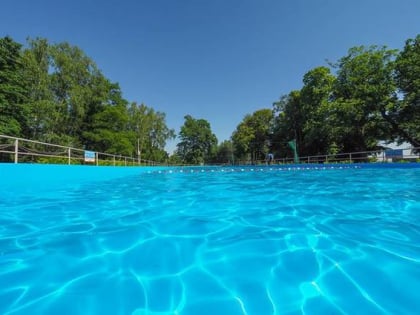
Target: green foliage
[42,114]
[225,153]
[363,91]
[251,139]
[55,93]
[288,123]
[372,159]
[174,159]
[149,132]
[315,96]
[12,88]
[198,143]
[108,131]
[56,160]
[357,107]
[406,113]
[333,149]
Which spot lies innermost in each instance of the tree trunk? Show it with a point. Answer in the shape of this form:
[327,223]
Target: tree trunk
[401,132]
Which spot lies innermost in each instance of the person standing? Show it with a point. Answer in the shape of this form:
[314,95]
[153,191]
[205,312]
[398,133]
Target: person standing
[270,158]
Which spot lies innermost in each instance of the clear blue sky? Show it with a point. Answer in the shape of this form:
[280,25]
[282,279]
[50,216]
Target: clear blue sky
[214,59]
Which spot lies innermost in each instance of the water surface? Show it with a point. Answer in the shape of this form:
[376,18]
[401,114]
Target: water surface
[250,240]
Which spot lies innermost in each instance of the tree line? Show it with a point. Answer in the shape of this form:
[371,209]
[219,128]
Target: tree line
[370,96]
[55,93]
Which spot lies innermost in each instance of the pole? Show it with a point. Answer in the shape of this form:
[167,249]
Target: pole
[138,151]
[69,155]
[231,150]
[16,150]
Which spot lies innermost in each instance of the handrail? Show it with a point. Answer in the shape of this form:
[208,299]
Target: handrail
[69,154]
[378,155]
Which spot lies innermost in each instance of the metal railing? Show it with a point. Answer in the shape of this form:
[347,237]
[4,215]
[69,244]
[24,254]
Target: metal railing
[383,155]
[20,150]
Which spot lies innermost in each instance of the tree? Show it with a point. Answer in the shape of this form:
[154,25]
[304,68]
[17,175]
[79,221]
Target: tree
[158,135]
[42,109]
[13,94]
[198,143]
[315,96]
[242,138]
[174,159]
[404,117]
[109,131]
[363,92]
[252,136]
[55,93]
[288,123]
[225,153]
[80,90]
[303,115]
[149,132]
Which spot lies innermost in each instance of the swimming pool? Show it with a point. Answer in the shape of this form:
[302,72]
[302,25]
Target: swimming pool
[245,240]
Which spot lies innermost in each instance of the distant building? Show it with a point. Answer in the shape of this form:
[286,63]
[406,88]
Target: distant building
[393,152]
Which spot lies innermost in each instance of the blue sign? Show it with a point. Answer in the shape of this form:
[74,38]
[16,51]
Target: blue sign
[89,156]
[394,153]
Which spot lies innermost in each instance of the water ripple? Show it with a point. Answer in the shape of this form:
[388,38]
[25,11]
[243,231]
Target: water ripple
[215,241]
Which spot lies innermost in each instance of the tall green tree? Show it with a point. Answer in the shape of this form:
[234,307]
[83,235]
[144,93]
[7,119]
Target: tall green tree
[315,97]
[288,123]
[149,132]
[42,110]
[79,88]
[404,117]
[225,153]
[364,89]
[56,93]
[13,94]
[109,132]
[252,137]
[198,143]
[68,96]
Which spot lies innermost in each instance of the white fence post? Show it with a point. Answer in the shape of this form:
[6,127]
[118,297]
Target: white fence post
[16,150]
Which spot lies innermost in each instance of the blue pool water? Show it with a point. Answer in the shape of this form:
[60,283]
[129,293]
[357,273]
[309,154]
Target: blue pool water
[263,240]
